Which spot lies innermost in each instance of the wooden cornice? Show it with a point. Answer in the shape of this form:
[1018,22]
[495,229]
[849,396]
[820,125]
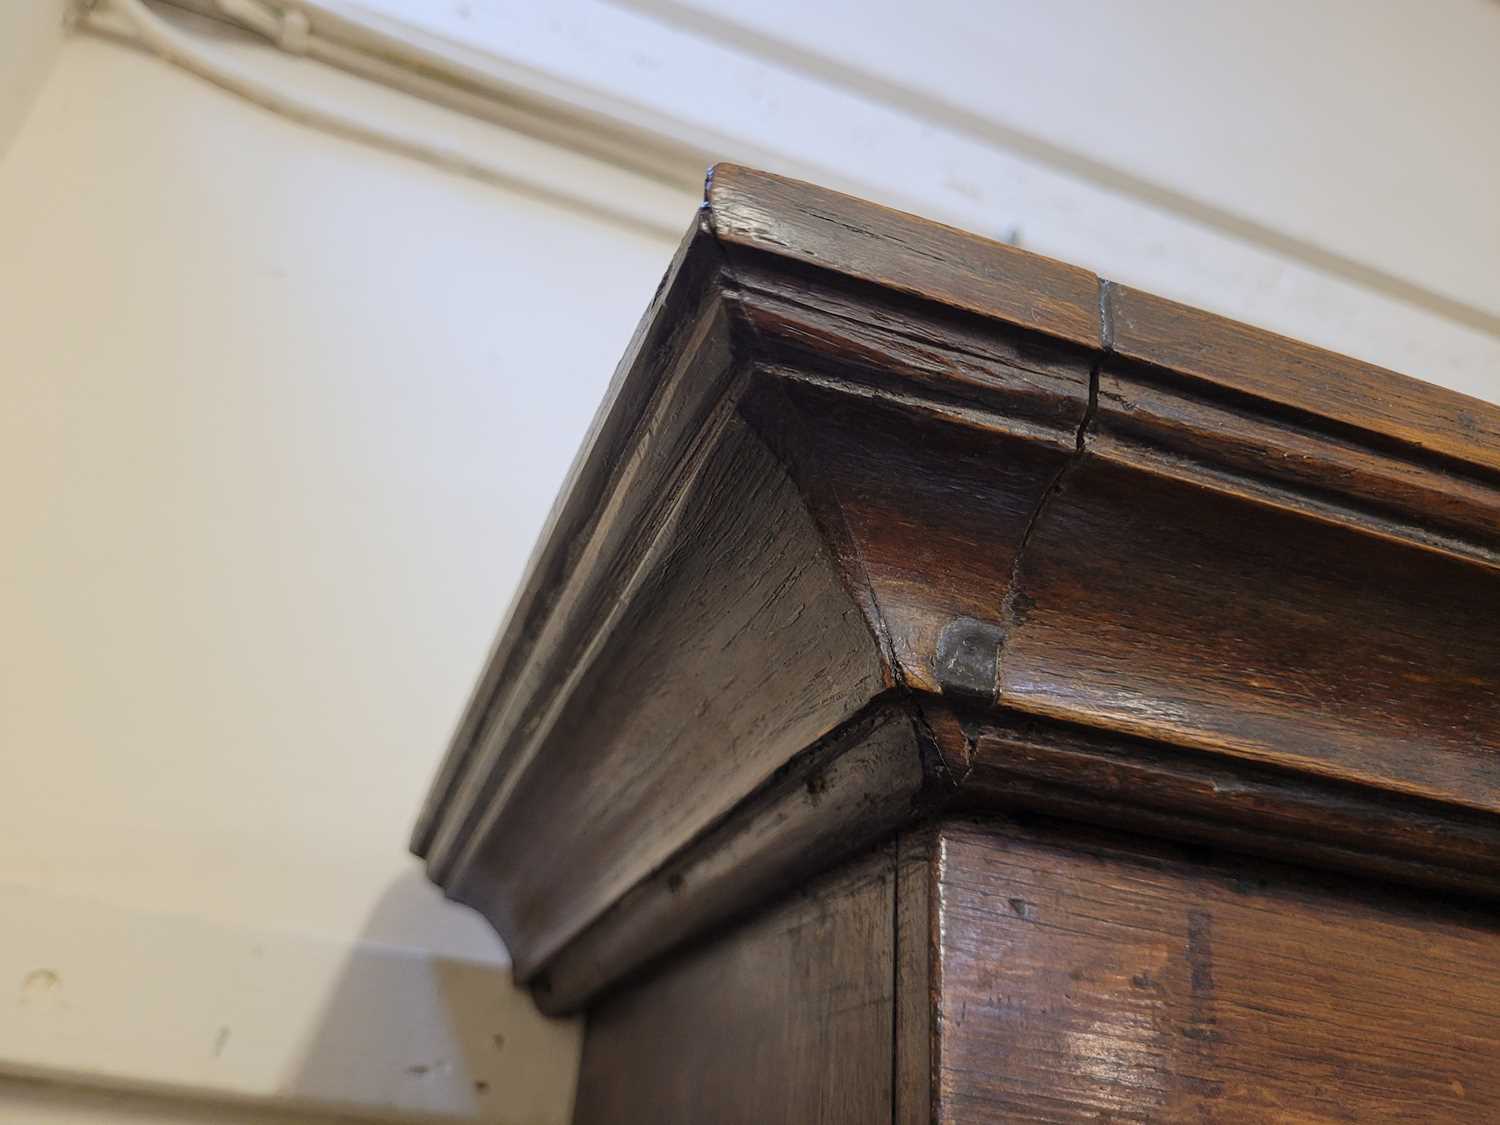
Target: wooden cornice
[881,518]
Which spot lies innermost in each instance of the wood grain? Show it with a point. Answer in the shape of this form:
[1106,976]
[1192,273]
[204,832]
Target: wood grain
[1050,543]
[743,629]
[903,252]
[1300,378]
[996,970]
[1153,423]
[1107,979]
[1187,615]
[836,799]
[1015,761]
[788,1018]
[918,981]
[945,546]
[933,360]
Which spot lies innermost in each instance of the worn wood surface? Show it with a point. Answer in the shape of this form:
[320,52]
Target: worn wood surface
[1184,613]
[975,424]
[917,970]
[841,796]
[1303,380]
[1066,546]
[1097,978]
[994,970]
[785,1019]
[1151,422]
[1013,761]
[740,628]
[875,244]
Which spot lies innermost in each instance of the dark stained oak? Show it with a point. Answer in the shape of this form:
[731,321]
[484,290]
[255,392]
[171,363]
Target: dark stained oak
[1014,762]
[861,240]
[1314,645]
[916,970]
[883,525]
[1299,377]
[744,605]
[1098,978]
[987,971]
[787,1018]
[860,783]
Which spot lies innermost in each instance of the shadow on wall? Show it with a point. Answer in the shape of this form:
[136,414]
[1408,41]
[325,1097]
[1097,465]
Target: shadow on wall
[435,1038]
[31,32]
[121,1016]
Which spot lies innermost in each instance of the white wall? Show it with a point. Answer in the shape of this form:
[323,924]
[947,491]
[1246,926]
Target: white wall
[1358,132]
[815,90]
[31,32]
[284,413]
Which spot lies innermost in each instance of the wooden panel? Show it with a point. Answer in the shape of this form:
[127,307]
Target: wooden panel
[785,1019]
[1101,979]
[872,243]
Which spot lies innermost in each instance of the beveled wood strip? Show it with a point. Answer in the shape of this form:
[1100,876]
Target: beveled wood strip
[918,984]
[882,344]
[684,303]
[601,575]
[1017,762]
[1288,463]
[876,244]
[837,798]
[1297,376]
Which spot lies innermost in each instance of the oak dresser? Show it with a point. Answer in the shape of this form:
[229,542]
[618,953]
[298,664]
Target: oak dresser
[952,687]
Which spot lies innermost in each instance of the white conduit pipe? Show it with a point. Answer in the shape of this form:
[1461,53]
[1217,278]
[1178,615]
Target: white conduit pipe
[658,149]
[290,29]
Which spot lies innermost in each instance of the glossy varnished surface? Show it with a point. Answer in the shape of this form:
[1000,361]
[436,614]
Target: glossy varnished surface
[1191,615]
[1106,979]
